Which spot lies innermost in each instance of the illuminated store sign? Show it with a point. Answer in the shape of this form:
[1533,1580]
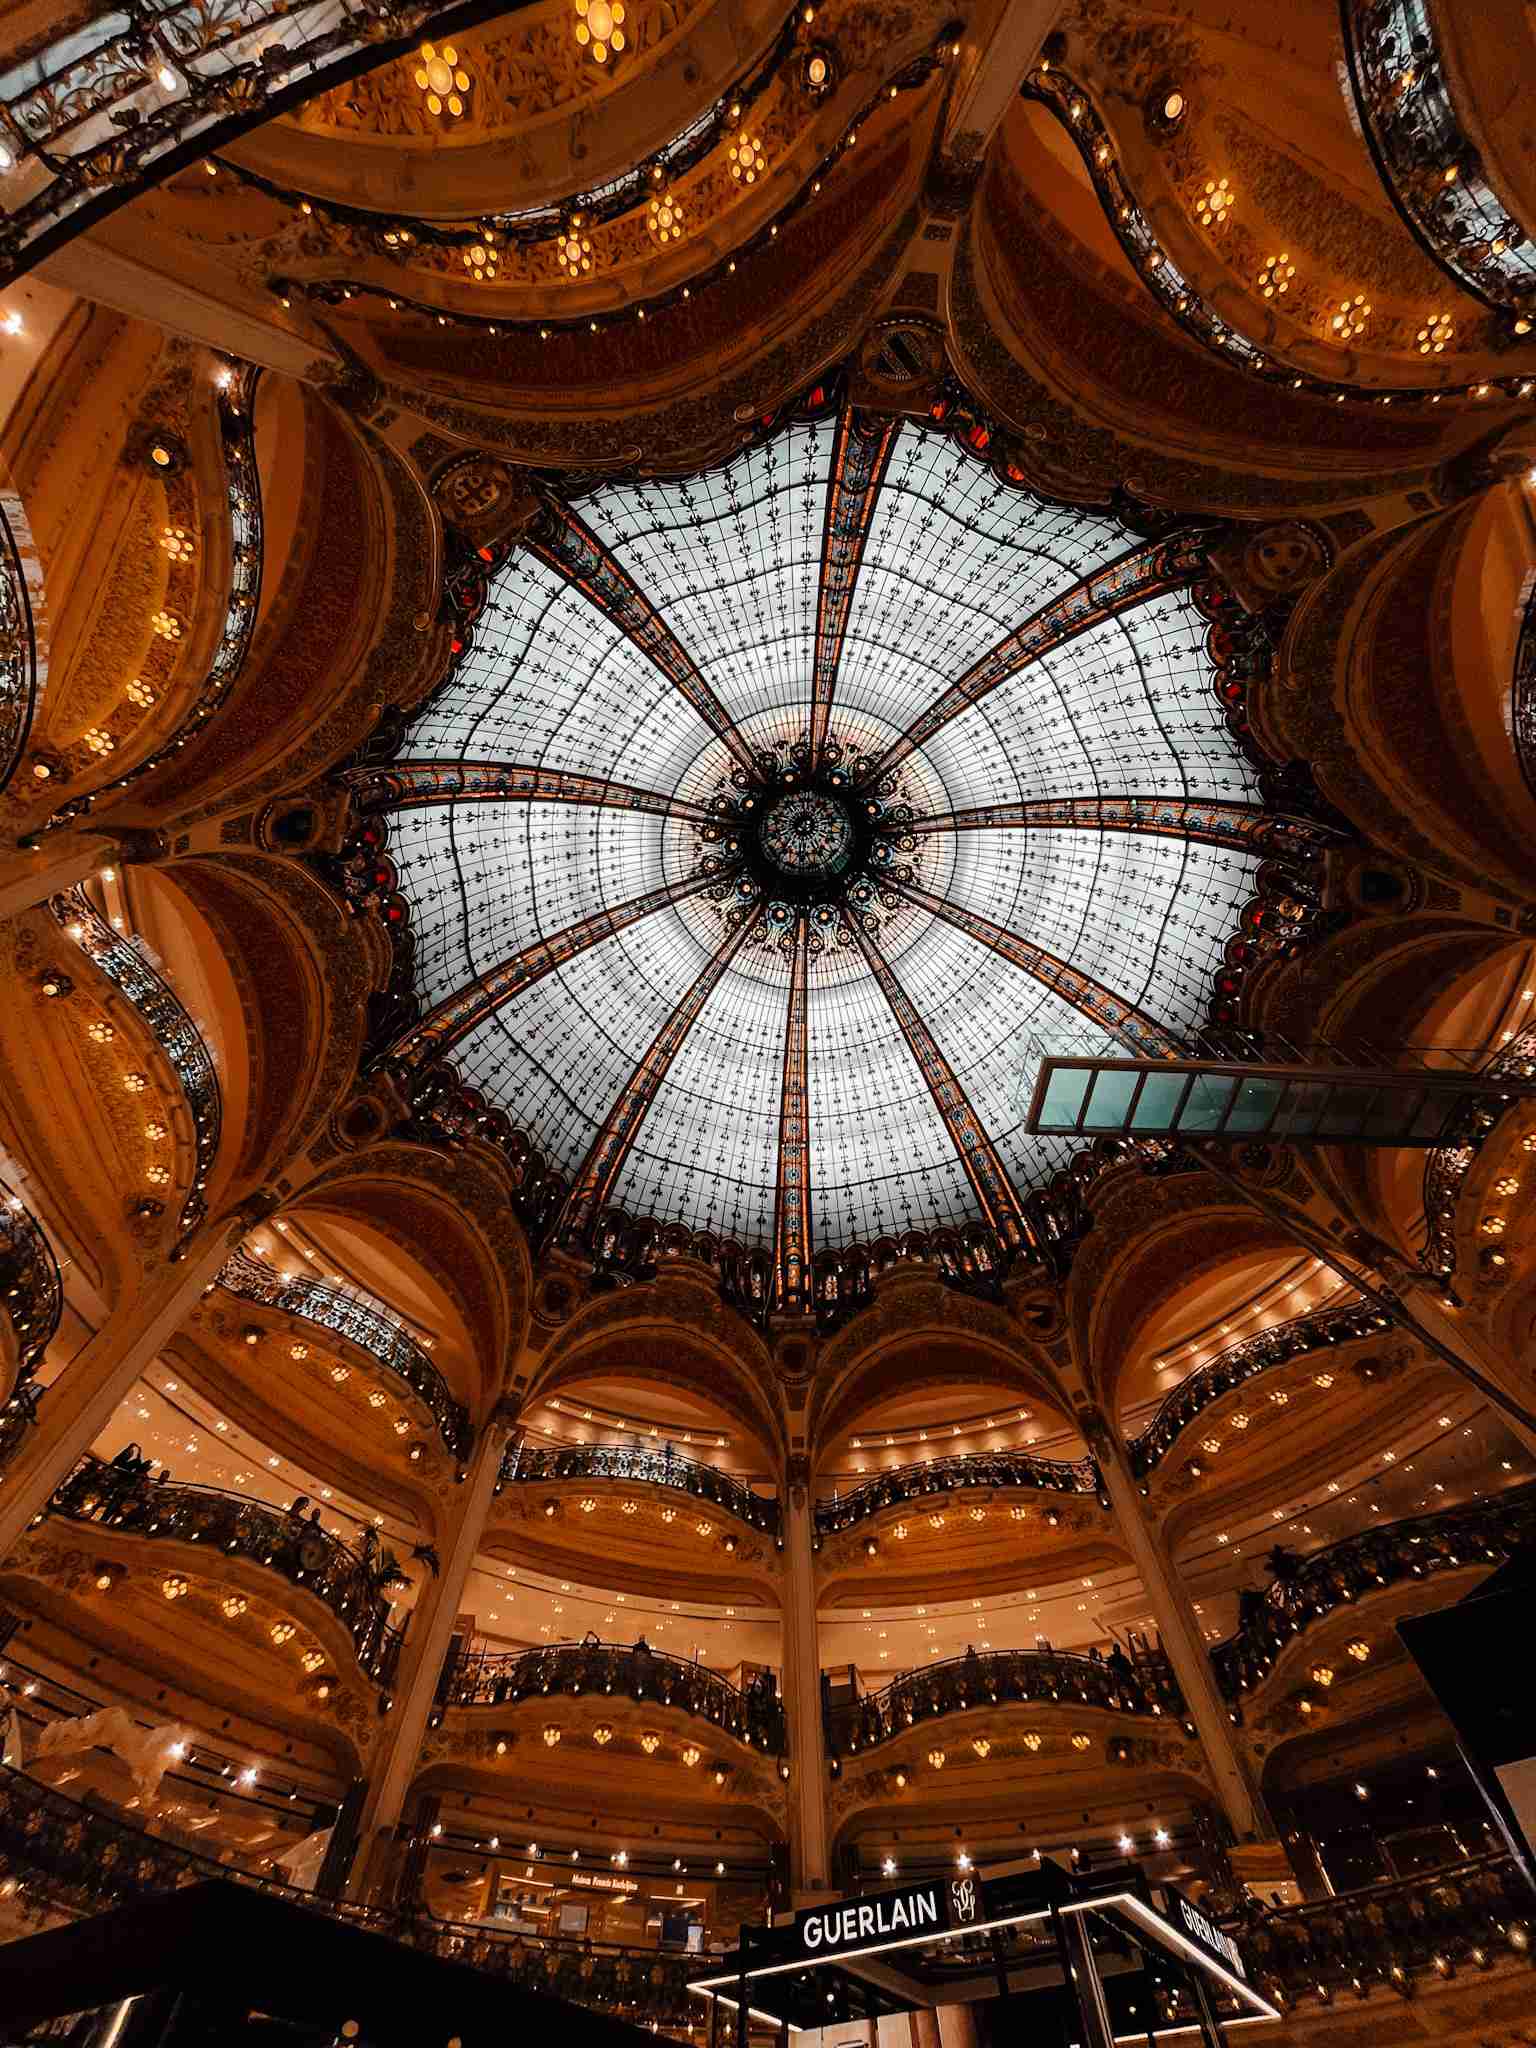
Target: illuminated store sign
[868,1923]
[1204,1932]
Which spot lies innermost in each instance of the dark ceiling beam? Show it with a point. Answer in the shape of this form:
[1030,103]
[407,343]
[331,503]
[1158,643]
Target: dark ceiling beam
[407,785]
[995,1194]
[792,1187]
[1208,821]
[459,1014]
[1143,1036]
[592,1189]
[573,551]
[1119,586]
[861,455]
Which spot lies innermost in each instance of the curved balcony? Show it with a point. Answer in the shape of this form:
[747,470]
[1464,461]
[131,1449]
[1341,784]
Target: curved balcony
[1432,173]
[1388,1934]
[32,1300]
[1522,706]
[993,1469]
[1240,1362]
[495,1678]
[122,962]
[1447,1166]
[997,1678]
[369,1328]
[79,1860]
[1306,1589]
[526,1465]
[350,1583]
[18,654]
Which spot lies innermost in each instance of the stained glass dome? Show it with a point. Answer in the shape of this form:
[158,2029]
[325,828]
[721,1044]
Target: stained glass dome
[775,817]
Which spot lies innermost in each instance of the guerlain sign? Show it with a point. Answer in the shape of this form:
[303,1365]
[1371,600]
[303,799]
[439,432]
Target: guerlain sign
[878,1921]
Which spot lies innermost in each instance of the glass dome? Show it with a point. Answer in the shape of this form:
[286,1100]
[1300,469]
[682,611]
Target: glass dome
[775,818]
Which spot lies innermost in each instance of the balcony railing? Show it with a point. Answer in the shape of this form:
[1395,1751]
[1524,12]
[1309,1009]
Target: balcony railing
[1522,705]
[359,1322]
[993,1469]
[1306,1589]
[536,1465]
[32,1300]
[1432,173]
[1389,1934]
[495,1678]
[1447,1166]
[350,1583]
[80,1860]
[242,484]
[141,983]
[990,1678]
[18,654]
[1240,1362]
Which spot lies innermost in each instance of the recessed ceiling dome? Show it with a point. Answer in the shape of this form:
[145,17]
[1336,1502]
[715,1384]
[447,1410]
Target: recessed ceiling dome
[774,814]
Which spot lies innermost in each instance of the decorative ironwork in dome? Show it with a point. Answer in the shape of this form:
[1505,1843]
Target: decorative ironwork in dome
[767,817]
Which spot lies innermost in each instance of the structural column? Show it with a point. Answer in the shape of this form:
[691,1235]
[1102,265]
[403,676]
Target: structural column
[1180,1632]
[427,1636]
[77,1405]
[808,1857]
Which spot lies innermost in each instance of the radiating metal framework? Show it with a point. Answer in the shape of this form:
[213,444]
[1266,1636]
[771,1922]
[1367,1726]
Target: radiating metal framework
[571,548]
[792,1208]
[995,1193]
[1112,1013]
[859,458]
[589,769]
[405,784]
[610,1149]
[1131,581]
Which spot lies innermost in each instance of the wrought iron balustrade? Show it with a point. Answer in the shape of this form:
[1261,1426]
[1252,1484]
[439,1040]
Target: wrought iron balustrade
[1307,1589]
[242,482]
[1387,1935]
[1447,1166]
[1002,1469]
[18,654]
[79,1859]
[1522,702]
[107,106]
[754,1715]
[538,1465]
[1242,1361]
[142,984]
[989,1678]
[350,1583]
[369,1328]
[1432,173]
[32,1300]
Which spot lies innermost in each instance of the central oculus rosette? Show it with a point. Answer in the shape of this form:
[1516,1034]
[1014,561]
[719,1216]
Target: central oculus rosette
[815,841]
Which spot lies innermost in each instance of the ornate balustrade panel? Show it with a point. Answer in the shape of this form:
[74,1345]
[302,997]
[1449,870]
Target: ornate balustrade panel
[540,1466]
[113,104]
[351,1584]
[82,1860]
[371,1329]
[1306,1589]
[18,653]
[1433,175]
[1240,1362]
[1523,697]
[1446,1168]
[127,967]
[1389,1934]
[952,1475]
[243,489]
[497,1678]
[32,1300]
[998,1678]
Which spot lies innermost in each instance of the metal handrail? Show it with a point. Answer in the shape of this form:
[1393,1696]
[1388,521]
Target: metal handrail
[999,1469]
[1244,1361]
[349,1582]
[86,1860]
[754,1714]
[127,966]
[32,1300]
[989,1678]
[18,654]
[1307,1589]
[372,1329]
[529,1464]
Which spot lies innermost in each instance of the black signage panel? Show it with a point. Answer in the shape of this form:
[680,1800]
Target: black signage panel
[1198,1927]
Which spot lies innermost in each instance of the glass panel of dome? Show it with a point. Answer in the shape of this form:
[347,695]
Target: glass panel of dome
[521,904]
